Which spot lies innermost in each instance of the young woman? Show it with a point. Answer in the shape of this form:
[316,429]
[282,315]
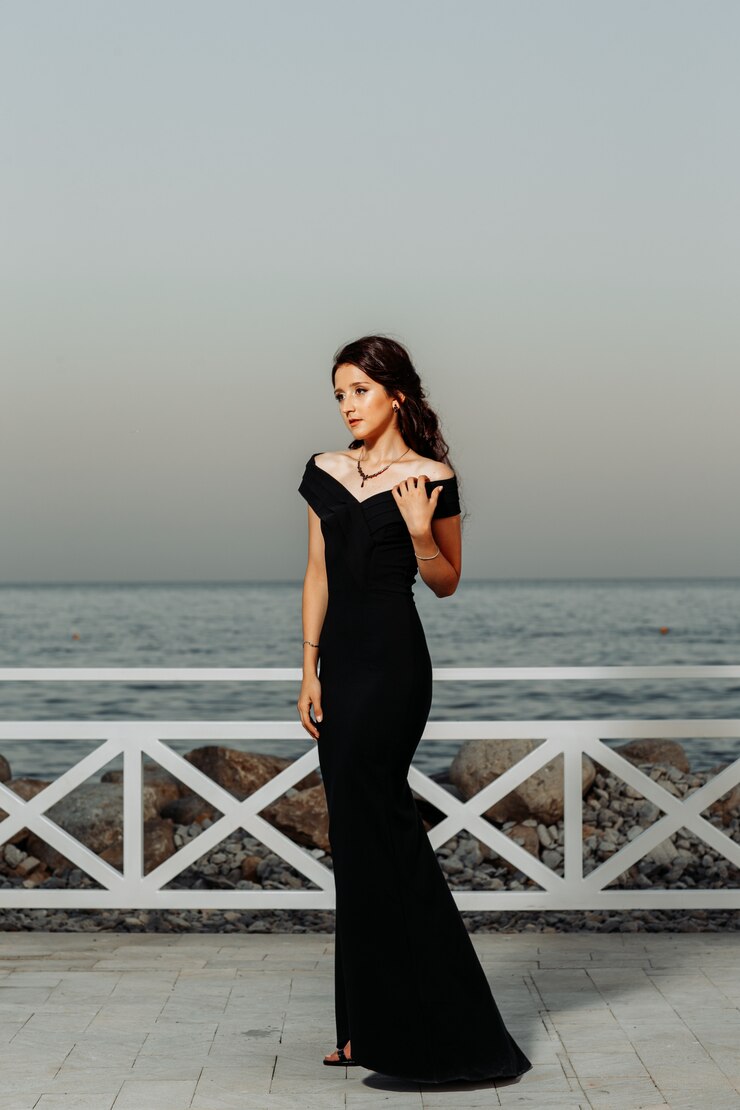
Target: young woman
[411,998]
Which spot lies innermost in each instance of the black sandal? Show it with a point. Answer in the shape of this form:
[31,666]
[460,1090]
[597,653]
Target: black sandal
[343,1061]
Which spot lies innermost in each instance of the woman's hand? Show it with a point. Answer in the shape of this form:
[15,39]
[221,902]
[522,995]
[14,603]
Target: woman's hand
[417,509]
[310,695]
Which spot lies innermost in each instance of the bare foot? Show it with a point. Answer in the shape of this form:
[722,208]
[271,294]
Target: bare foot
[335,1055]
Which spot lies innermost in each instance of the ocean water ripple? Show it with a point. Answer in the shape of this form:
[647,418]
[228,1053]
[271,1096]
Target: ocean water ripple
[499,624]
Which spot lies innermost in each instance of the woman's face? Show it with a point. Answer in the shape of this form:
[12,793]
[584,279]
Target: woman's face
[364,404]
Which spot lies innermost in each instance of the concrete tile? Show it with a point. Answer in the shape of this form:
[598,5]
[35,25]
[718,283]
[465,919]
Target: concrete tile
[622,1094]
[100,1079]
[608,1065]
[700,1080]
[679,1098]
[229,1089]
[545,1080]
[8,1030]
[450,1099]
[727,1060]
[361,1101]
[586,1017]
[74,1101]
[552,1101]
[165,1067]
[585,1039]
[99,1054]
[164,1094]
[14,1011]
[14,1073]
[26,1101]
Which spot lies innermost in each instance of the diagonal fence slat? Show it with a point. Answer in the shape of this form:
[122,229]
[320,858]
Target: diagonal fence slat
[236,814]
[464,815]
[679,813]
[30,814]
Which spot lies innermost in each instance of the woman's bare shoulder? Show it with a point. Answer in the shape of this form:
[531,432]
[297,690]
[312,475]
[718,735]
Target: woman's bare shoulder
[331,460]
[434,468]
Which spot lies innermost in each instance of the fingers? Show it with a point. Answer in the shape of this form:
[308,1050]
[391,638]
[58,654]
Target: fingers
[304,710]
[408,485]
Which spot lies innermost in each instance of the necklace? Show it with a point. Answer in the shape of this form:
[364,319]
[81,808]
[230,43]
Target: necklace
[377,472]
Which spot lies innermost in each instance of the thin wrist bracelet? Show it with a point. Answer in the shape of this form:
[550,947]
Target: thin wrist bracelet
[309,642]
[434,556]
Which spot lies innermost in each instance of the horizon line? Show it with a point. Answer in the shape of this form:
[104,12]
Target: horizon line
[298,581]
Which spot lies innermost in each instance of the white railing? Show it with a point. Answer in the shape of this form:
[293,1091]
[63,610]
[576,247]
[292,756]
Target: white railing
[134,889]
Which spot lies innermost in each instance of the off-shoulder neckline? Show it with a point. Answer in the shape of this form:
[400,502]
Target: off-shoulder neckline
[380,493]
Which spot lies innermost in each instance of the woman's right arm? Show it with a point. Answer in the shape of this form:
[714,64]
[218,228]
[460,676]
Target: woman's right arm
[315,599]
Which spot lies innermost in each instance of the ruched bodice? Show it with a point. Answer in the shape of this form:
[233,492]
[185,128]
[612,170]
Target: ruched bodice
[366,542]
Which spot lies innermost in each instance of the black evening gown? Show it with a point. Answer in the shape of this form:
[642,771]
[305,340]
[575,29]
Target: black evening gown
[410,991]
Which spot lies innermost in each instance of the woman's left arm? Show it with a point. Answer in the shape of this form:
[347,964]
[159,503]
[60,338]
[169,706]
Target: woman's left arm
[441,573]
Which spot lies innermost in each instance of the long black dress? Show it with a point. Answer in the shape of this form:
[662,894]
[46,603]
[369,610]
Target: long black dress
[409,989]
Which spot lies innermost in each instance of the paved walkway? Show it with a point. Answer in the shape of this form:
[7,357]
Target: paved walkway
[214,1022]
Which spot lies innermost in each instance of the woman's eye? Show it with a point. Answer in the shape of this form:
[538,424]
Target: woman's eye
[339,396]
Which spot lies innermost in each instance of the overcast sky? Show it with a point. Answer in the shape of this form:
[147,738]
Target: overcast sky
[202,201]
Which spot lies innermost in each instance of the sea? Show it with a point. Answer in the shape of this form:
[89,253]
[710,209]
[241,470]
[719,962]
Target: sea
[493,623]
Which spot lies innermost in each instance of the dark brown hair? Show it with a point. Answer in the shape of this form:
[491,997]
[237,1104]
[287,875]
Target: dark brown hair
[387,362]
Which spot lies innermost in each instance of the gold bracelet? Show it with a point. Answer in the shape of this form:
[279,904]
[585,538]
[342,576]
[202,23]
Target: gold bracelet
[434,556]
[309,642]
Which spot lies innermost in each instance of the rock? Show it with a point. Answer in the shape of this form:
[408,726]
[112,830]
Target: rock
[430,815]
[13,855]
[662,854]
[4,769]
[28,864]
[526,837]
[188,810]
[523,835]
[451,865]
[303,817]
[25,788]
[165,787]
[669,752]
[539,798]
[93,814]
[727,807]
[241,773]
[249,867]
[647,812]
[159,845]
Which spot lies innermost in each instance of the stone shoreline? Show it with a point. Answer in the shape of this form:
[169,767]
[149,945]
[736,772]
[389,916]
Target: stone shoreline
[614,813]
[322,921]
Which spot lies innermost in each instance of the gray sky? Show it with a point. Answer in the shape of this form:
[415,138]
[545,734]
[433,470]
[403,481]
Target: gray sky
[202,201]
